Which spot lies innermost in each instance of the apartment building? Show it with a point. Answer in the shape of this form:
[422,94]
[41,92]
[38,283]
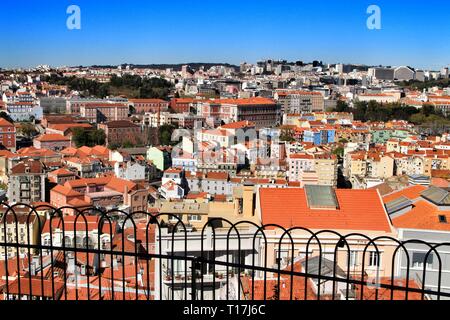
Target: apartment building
[52,141]
[21,228]
[372,164]
[182,120]
[73,105]
[121,131]
[379,97]
[24,111]
[7,135]
[100,112]
[104,192]
[297,163]
[326,168]
[195,215]
[84,232]
[316,169]
[220,137]
[141,106]
[182,105]
[422,213]
[263,112]
[160,156]
[26,182]
[299,102]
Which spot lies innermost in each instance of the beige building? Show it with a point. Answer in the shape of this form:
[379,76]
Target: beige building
[27,231]
[297,102]
[393,145]
[326,169]
[195,213]
[370,164]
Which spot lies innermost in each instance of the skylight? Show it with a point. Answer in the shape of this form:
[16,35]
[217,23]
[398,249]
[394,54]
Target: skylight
[321,197]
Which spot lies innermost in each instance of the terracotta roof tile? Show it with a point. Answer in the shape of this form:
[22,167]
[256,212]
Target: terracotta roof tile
[358,210]
[410,193]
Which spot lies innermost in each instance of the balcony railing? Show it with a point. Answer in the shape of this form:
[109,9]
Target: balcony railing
[148,260]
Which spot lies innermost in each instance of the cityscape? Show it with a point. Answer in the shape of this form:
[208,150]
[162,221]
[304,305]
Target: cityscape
[272,179]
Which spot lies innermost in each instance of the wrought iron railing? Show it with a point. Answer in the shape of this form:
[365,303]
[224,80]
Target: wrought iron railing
[115,255]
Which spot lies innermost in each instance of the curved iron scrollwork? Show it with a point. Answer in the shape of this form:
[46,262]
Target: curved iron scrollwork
[70,254]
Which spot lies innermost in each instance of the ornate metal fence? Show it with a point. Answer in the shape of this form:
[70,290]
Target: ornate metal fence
[67,254]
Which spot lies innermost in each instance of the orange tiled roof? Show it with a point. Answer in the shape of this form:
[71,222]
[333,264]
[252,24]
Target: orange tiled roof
[358,210]
[440,182]
[52,137]
[424,215]
[66,191]
[238,125]
[61,172]
[5,123]
[217,175]
[147,101]
[243,101]
[410,193]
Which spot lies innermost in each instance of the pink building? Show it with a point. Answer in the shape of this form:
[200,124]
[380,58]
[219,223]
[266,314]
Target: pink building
[55,142]
[104,112]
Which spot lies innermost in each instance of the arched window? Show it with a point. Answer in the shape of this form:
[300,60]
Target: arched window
[68,241]
[79,241]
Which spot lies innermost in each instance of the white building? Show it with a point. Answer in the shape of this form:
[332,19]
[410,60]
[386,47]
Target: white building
[129,171]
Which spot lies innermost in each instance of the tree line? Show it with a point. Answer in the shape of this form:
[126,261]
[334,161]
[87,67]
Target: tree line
[132,86]
[376,111]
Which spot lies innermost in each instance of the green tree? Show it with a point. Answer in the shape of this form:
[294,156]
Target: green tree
[97,137]
[427,110]
[339,151]
[165,134]
[27,129]
[342,106]
[128,144]
[287,137]
[91,138]
[80,137]
[114,146]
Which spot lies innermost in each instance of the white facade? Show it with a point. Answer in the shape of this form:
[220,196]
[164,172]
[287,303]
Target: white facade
[19,111]
[129,171]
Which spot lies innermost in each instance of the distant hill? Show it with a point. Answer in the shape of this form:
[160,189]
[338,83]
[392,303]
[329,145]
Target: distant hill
[176,67]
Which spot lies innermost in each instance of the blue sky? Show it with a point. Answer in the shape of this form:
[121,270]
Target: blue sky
[33,32]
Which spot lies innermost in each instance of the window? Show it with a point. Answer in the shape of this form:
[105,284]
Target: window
[374,259]
[353,258]
[418,258]
[442,219]
[194,217]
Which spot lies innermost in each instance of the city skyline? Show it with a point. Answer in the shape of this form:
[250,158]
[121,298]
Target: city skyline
[153,33]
